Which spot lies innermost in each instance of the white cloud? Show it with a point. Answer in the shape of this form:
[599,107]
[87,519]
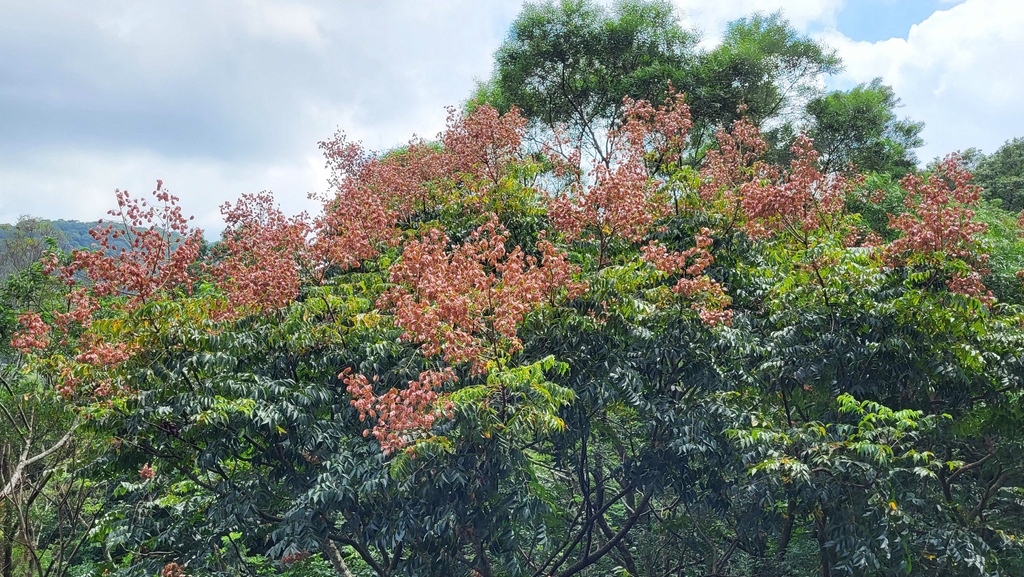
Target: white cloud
[958,71]
[79,185]
[222,98]
[219,98]
[712,17]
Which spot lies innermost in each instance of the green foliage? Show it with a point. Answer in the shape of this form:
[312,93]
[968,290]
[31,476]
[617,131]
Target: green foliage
[24,243]
[1001,175]
[1004,241]
[764,65]
[573,61]
[855,415]
[860,127]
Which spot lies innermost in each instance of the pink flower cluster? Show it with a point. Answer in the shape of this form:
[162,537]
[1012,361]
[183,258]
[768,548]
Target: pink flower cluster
[620,198]
[800,202]
[939,225]
[34,333]
[149,254]
[735,165]
[465,303]
[375,194]
[710,300]
[173,570]
[482,144]
[401,414]
[161,248]
[265,251]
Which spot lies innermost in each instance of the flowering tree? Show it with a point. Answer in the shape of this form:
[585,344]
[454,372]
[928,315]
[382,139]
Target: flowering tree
[488,357]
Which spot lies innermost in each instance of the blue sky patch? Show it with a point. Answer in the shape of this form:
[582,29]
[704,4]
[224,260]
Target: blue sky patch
[875,20]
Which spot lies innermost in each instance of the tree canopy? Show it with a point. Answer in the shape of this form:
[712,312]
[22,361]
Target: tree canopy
[571,63]
[1001,174]
[860,127]
[607,327]
[481,361]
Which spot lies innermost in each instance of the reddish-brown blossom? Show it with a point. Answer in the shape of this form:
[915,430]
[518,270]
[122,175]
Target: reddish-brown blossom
[374,194]
[149,253]
[101,353]
[401,414]
[357,220]
[483,143]
[619,198]
[265,251]
[465,303]
[34,334]
[146,472]
[295,557]
[737,162]
[660,131]
[173,570]
[802,201]
[146,256]
[708,296]
[939,225]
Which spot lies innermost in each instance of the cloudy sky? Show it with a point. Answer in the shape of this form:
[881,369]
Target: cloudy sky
[226,97]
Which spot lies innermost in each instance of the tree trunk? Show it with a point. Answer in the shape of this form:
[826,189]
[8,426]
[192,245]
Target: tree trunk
[7,553]
[334,556]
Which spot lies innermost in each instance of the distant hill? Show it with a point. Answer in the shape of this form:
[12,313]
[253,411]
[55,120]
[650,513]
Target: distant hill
[23,243]
[75,232]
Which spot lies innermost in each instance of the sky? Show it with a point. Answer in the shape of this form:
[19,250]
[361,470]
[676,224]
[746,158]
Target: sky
[222,98]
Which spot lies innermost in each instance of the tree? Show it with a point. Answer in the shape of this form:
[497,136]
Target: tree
[572,62]
[860,127]
[24,243]
[47,501]
[478,362]
[762,70]
[1001,175]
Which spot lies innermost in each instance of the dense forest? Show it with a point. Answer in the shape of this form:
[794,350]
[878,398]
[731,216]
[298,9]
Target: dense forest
[642,309]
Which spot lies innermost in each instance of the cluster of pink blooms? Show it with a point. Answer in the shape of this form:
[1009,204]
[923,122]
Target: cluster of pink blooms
[401,414]
[660,131]
[483,144]
[146,472]
[800,202]
[620,199]
[102,353]
[161,248]
[940,225]
[34,333]
[374,195]
[295,557]
[465,303]
[759,196]
[735,166]
[265,253]
[173,570]
[709,298]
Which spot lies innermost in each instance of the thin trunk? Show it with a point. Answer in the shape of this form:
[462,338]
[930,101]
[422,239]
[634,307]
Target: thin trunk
[787,530]
[9,528]
[334,556]
[823,554]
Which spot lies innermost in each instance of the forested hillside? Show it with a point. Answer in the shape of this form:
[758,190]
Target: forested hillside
[642,309]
